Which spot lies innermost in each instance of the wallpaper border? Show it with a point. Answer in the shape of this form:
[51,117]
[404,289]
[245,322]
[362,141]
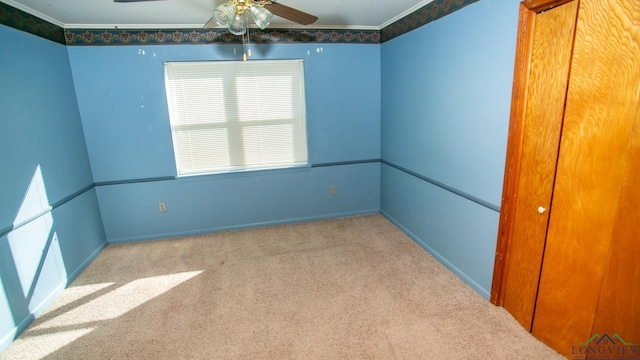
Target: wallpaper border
[426,14]
[21,20]
[94,37]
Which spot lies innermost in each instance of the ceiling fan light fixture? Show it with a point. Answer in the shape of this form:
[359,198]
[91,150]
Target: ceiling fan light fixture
[224,14]
[261,16]
[238,25]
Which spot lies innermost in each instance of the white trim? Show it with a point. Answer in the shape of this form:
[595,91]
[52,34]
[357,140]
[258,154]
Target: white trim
[134,26]
[405,13]
[47,18]
[199,26]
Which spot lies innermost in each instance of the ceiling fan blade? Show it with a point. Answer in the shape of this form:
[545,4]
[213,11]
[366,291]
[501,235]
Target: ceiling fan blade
[292,14]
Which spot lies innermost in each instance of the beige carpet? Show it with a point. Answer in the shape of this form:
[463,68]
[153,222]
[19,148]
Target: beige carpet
[352,288]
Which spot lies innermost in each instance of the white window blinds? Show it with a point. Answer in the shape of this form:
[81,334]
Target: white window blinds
[232,116]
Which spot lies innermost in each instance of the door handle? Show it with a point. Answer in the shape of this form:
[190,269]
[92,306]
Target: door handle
[541,209]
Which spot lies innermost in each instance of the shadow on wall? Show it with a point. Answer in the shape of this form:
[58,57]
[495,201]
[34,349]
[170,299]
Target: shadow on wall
[35,272]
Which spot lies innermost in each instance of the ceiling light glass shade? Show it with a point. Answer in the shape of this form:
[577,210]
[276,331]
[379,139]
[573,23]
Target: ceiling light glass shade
[224,13]
[261,16]
[238,25]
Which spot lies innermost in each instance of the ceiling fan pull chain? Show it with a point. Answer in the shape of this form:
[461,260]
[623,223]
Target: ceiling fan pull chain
[245,45]
[244,48]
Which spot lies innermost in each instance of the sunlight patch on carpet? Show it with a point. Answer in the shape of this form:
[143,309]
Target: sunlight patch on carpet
[118,301]
[76,294]
[49,343]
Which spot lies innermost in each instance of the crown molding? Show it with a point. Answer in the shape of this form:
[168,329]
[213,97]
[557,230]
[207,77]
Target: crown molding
[431,12]
[417,6]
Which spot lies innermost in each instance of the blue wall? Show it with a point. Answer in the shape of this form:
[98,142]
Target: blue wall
[446,91]
[122,102]
[87,130]
[50,224]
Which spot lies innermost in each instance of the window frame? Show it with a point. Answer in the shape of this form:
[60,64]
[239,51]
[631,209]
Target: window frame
[234,127]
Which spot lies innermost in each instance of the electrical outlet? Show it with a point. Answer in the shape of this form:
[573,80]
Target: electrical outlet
[162,206]
[332,189]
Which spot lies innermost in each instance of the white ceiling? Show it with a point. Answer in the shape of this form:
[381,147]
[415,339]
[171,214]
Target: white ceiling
[162,14]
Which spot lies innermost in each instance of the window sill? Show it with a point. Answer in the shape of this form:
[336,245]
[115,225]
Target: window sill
[244,173]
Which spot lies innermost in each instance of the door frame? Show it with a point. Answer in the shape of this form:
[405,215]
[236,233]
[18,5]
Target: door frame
[528,10]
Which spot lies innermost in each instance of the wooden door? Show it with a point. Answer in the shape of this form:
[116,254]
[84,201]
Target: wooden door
[596,157]
[619,300]
[545,43]
[570,271]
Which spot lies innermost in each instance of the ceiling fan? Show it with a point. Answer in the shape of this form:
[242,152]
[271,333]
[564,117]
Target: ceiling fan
[233,14]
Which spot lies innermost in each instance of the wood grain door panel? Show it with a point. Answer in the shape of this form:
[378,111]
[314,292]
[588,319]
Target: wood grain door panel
[618,310]
[601,107]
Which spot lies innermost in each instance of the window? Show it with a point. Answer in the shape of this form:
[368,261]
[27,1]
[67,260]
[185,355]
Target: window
[234,116]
